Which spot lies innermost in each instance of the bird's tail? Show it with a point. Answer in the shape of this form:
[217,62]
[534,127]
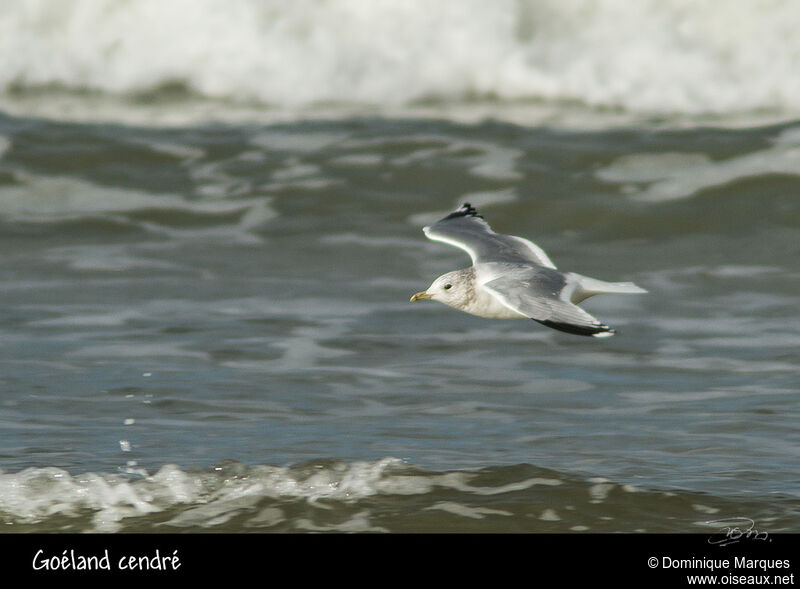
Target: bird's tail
[588,287]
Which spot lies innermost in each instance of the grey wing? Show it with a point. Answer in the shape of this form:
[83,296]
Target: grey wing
[465,228]
[539,296]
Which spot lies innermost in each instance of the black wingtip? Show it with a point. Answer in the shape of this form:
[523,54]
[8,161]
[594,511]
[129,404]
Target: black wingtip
[466,210]
[589,330]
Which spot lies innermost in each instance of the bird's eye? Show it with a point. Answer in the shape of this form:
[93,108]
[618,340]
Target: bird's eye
[448,286]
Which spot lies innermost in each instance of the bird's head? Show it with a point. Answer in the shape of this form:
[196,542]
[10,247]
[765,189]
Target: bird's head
[451,289]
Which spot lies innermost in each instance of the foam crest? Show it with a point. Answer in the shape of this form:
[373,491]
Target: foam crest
[202,498]
[383,495]
[212,497]
[650,56]
[36,494]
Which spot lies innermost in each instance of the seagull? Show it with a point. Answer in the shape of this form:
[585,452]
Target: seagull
[513,278]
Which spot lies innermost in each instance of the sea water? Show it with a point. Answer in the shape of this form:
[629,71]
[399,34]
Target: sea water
[211,223]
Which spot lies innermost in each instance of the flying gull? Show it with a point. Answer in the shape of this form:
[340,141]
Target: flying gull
[512,278]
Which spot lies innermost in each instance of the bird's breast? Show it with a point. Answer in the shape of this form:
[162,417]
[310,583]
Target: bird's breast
[489,306]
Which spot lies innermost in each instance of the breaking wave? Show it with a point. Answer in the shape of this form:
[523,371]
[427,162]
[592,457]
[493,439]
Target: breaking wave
[656,56]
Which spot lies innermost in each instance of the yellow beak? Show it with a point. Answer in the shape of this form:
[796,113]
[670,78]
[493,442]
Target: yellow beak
[420,296]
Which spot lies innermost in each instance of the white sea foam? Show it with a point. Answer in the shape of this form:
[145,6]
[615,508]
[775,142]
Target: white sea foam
[210,498]
[36,494]
[675,56]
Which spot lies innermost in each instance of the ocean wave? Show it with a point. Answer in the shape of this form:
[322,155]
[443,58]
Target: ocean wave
[654,56]
[384,495]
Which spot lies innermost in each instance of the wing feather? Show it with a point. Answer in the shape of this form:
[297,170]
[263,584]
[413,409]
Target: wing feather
[466,229]
[545,306]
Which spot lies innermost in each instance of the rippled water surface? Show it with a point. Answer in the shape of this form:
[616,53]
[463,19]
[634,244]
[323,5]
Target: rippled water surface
[207,327]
